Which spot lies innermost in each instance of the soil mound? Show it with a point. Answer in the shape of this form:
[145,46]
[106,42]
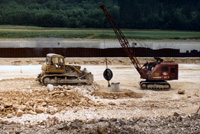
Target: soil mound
[125,93]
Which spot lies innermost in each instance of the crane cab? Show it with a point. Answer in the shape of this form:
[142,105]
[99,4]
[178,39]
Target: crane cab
[161,71]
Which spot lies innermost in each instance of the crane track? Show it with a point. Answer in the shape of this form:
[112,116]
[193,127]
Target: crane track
[154,85]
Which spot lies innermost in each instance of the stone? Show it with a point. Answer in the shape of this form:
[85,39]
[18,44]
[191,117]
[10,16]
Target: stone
[113,119]
[31,103]
[59,86]
[19,113]
[176,114]
[181,91]
[111,103]
[47,110]
[52,111]
[68,104]
[179,118]
[122,103]
[5,100]
[9,115]
[15,106]
[8,104]
[102,119]
[100,104]
[75,125]
[62,95]
[22,107]
[39,110]
[1,108]
[83,101]
[44,104]
[50,87]
[32,112]
[54,93]
[40,100]
[75,111]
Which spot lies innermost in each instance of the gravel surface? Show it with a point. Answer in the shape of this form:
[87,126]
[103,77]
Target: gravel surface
[178,123]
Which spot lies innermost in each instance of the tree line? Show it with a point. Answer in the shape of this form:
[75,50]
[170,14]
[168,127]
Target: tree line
[134,14]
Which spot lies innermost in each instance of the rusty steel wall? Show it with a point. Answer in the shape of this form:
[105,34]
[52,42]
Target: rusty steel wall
[86,52]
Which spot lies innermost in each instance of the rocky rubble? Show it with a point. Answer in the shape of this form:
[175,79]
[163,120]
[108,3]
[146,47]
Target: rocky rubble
[178,123]
[16,103]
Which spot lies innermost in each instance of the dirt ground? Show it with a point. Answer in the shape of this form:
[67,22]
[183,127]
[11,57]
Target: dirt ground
[92,108]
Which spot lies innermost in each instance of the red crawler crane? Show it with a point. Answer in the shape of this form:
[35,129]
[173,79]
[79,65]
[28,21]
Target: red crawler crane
[156,73]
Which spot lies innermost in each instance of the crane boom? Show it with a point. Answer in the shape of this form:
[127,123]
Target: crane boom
[124,43]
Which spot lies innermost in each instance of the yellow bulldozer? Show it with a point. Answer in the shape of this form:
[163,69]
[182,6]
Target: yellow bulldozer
[56,72]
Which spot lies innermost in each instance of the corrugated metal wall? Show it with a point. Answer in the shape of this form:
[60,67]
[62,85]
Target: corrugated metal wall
[88,52]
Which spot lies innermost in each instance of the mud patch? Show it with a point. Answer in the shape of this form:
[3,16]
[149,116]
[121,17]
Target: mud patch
[125,93]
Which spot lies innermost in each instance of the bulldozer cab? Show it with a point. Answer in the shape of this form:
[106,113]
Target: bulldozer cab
[55,63]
